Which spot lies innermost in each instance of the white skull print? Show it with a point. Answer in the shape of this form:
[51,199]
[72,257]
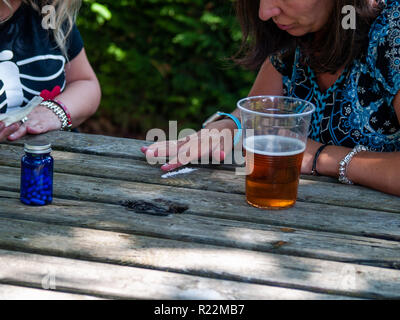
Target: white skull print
[18,87]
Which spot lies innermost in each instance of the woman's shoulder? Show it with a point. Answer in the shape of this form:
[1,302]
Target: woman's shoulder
[383,56]
[388,17]
[385,30]
[283,61]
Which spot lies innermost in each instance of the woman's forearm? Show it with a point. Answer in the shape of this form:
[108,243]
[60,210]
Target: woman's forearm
[82,98]
[376,170]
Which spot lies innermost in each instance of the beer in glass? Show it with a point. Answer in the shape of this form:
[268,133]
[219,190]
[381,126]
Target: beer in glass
[276,163]
[275,136]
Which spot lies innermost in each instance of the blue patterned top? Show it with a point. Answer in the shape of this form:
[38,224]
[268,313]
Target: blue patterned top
[358,108]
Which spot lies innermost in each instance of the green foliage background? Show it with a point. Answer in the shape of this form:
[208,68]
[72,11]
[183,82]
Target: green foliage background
[161,60]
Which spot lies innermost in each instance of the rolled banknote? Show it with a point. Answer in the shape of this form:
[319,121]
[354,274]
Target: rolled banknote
[17,114]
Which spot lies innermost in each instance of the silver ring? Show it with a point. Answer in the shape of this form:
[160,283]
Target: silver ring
[23,120]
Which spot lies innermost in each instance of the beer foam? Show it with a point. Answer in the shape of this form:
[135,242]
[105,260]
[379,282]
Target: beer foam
[270,145]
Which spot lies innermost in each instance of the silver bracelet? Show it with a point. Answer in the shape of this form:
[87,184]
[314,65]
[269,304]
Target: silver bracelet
[345,162]
[59,112]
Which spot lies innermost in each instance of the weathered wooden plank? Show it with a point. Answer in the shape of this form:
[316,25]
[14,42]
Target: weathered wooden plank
[112,281]
[203,260]
[89,144]
[97,145]
[214,231]
[205,179]
[125,169]
[122,169]
[9,292]
[120,148]
[220,205]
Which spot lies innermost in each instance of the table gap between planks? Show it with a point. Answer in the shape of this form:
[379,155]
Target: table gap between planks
[338,242]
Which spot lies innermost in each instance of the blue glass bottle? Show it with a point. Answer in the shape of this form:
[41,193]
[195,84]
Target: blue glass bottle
[37,174]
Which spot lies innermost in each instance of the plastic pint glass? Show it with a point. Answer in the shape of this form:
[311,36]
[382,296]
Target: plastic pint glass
[275,131]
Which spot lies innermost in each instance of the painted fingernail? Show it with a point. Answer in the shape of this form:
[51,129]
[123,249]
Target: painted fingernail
[2,125]
[144,149]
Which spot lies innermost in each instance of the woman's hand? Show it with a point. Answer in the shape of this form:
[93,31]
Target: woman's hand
[5,132]
[40,120]
[215,141]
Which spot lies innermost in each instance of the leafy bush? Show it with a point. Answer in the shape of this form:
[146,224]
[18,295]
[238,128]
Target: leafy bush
[160,60]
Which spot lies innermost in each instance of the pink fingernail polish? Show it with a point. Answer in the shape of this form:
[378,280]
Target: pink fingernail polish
[165,167]
[144,149]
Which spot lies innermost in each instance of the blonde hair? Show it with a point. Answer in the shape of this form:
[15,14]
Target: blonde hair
[66,12]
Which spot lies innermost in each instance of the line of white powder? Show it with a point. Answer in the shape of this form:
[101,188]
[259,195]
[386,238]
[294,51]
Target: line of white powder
[174,173]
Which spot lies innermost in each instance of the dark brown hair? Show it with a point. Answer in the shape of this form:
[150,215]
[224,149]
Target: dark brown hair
[337,47]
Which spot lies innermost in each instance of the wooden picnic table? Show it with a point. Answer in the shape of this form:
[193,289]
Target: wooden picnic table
[338,242]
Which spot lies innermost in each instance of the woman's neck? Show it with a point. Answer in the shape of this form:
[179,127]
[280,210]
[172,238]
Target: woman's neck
[6,12]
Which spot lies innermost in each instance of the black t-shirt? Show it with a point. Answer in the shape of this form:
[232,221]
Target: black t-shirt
[30,60]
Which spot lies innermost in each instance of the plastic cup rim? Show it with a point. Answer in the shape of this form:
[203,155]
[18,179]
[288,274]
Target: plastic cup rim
[266,114]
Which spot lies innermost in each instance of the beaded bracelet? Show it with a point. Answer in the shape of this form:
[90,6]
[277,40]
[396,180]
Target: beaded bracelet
[345,162]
